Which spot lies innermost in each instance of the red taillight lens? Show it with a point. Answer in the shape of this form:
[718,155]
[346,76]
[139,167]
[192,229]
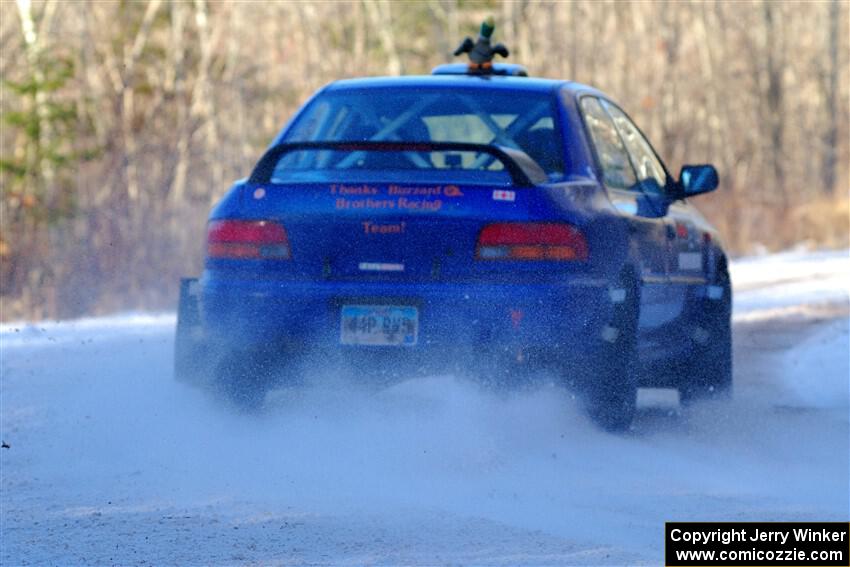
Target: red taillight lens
[531,241]
[247,239]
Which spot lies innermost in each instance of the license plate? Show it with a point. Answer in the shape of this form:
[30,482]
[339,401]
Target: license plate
[379,325]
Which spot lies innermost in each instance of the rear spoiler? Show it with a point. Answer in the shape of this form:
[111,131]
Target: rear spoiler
[524,171]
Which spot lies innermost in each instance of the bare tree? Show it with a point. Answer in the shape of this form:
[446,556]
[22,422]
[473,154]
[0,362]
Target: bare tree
[169,100]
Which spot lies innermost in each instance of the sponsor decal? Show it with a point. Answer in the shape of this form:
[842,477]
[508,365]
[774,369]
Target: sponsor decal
[340,189]
[394,197]
[425,205]
[433,191]
[504,195]
[428,191]
[344,204]
[402,203]
[371,227]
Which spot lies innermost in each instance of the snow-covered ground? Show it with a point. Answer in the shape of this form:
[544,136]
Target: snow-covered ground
[112,462]
[766,286]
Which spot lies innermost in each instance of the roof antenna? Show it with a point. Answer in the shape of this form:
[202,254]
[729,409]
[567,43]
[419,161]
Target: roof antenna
[480,52]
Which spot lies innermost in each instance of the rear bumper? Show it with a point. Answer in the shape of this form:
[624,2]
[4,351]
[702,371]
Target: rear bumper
[567,316]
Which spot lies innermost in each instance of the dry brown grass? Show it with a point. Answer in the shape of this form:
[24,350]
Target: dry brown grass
[824,222]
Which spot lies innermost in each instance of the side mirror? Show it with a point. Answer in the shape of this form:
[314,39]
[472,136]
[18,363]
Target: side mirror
[697,179]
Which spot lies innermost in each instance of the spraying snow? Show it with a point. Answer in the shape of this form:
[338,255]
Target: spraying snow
[111,461]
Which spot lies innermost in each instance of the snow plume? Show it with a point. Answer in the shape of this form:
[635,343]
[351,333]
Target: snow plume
[111,460]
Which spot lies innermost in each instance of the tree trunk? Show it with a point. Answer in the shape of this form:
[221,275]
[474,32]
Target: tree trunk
[830,150]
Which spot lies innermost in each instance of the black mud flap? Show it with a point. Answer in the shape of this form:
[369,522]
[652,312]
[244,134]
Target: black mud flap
[190,352]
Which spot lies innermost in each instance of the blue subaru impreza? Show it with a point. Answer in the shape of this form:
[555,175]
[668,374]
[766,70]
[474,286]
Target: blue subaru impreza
[476,216]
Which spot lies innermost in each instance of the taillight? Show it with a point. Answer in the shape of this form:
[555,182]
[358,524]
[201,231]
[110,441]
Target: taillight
[531,241]
[264,240]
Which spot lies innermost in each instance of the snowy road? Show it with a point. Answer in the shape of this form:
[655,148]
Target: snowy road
[110,461]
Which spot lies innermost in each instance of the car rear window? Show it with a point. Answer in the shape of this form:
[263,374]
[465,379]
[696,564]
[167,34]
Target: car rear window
[518,120]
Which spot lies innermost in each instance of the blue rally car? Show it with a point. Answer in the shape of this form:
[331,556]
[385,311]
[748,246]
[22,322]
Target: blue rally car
[478,217]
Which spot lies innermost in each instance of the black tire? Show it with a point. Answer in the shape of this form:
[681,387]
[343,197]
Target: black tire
[611,389]
[243,377]
[708,372]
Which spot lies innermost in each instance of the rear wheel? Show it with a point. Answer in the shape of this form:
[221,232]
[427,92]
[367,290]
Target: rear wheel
[611,389]
[708,372]
[244,376]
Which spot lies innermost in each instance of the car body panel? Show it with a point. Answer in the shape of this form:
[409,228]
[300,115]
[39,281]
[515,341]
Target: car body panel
[424,235]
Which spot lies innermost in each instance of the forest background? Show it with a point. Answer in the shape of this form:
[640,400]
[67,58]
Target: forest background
[123,121]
